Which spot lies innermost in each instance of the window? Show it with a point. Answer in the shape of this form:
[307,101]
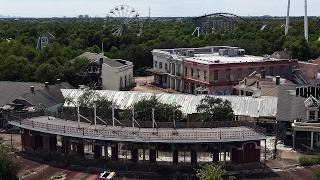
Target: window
[205,75]
[191,72]
[125,81]
[198,73]
[160,65]
[121,82]
[216,75]
[186,71]
[156,64]
[312,115]
[165,66]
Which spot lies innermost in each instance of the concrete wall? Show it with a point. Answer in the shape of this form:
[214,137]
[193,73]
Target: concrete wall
[111,77]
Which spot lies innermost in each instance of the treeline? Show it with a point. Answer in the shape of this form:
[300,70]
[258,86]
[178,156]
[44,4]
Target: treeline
[20,61]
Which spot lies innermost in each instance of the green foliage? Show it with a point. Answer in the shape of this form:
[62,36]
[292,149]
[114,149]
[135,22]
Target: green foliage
[162,112]
[88,100]
[309,161]
[215,109]
[211,172]
[8,166]
[73,37]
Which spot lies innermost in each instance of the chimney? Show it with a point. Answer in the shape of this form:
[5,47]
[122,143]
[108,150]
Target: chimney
[263,74]
[32,89]
[46,84]
[59,81]
[277,80]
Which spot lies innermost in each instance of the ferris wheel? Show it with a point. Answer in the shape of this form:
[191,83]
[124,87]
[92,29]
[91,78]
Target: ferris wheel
[121,17]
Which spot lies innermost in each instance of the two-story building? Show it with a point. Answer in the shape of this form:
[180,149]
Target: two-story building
[216,69]
[110,74]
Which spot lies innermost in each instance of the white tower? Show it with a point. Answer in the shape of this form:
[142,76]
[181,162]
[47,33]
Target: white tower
[288,19]
[306,25]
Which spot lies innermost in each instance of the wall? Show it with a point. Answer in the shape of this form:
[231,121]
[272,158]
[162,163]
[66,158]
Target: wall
[111,77]
[310,70]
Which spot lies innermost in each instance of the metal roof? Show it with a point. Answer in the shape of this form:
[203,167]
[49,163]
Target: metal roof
[264,106]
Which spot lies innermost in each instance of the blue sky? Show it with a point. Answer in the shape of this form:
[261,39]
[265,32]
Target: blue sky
[71,8]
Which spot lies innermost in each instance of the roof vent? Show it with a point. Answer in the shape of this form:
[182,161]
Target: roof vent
[217,61]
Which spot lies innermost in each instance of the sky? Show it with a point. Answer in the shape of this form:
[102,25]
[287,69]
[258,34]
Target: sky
[159,8]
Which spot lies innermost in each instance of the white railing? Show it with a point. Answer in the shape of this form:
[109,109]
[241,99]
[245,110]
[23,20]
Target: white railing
[141,134]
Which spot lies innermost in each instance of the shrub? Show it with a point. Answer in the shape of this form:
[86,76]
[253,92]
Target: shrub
[309,161]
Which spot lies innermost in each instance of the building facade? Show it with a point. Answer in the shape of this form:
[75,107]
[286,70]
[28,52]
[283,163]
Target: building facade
[109,74]
[216,69]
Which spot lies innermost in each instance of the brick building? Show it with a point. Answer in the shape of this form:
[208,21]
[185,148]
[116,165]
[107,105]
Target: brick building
[216,69]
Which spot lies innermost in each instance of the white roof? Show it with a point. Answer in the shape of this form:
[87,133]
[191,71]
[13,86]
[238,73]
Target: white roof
[215,58]
[264,106]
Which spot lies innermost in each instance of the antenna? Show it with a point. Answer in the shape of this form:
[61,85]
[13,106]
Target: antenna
[306,26]
[288,19]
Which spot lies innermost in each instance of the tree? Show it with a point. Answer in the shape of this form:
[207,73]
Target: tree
[88,100]
[211,172]
[163,112]
[8,166]
[215,109]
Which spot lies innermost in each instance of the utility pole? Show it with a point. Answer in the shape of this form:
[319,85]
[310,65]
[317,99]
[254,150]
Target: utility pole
[287,19]
[306,25]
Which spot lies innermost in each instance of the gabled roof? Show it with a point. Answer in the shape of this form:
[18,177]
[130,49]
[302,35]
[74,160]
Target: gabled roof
[311,102]
[95,57]
[46,97]
[9,90]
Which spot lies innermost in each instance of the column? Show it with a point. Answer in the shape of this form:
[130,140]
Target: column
[134,155]
[65,145]
[80,149]
[153,156]
[97,152]
[311,142]
[53,143]
[114,152]
[194,158]
[175,156]
[294,140]
[215,155]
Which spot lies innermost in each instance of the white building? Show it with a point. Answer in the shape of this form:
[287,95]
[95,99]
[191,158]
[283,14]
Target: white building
[116,74]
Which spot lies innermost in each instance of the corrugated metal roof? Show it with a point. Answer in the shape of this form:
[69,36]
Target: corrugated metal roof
[265,106]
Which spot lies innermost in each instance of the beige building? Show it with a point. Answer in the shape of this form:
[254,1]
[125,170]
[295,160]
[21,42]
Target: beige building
[117,74]
[112,74]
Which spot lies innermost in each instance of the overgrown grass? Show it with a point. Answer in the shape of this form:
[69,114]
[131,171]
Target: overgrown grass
[309,161]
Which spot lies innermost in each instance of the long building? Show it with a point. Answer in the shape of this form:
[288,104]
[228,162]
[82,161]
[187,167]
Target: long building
[216,69]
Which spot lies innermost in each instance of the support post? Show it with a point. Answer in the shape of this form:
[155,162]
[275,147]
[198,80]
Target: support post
[113,119]
[153,120]
[311,142]
[265,150]
[175,156]
[133,117]
[95,115]
[78,110]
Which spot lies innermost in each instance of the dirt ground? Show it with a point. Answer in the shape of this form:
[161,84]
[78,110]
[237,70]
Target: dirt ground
[145,84]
